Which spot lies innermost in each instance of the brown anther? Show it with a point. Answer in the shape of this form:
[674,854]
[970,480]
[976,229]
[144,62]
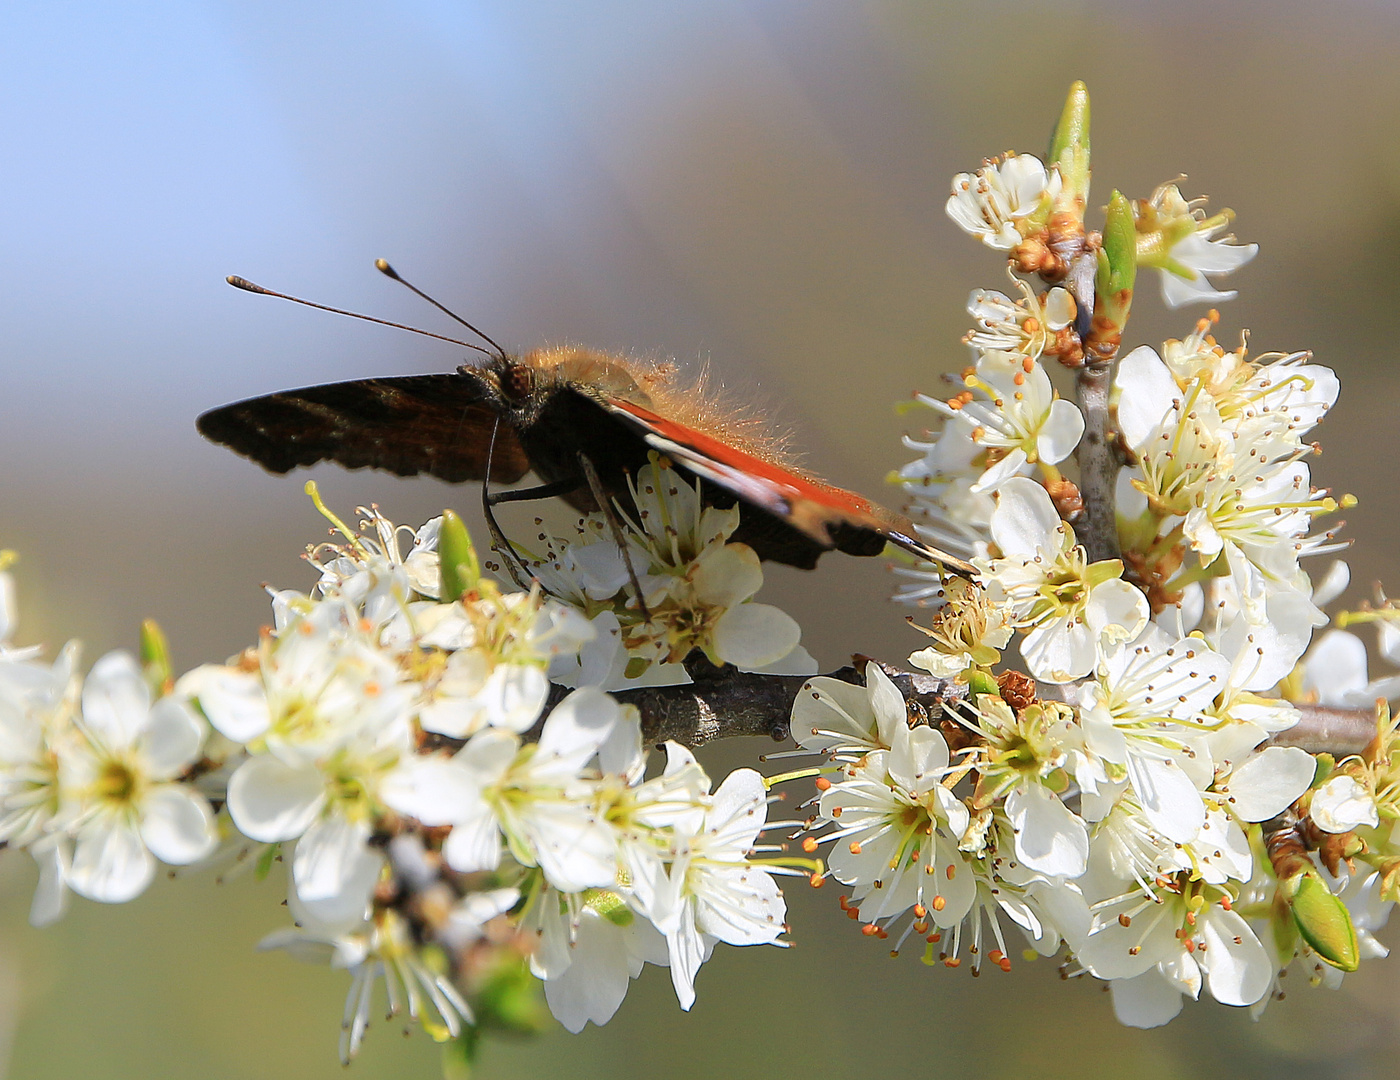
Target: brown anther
[1125,920]
[852,913]
[952,962]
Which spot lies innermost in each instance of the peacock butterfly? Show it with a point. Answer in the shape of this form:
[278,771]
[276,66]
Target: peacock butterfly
[556,412]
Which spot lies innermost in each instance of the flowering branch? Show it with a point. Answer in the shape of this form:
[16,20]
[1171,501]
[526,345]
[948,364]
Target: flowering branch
[1172,785]
[734,704]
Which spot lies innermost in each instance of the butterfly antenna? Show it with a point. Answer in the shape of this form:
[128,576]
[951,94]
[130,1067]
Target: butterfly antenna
[247,286]
[388,271]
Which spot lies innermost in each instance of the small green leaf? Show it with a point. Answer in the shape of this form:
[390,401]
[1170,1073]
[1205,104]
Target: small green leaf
[980,682]
[1323,920]
[1104,570]
[511,1000]
[155,658]
[610,906]
[457,561]
[459,1055]
[1120,245]
[265,861]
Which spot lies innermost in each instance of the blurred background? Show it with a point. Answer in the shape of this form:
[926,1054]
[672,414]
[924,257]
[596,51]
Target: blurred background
[756,185]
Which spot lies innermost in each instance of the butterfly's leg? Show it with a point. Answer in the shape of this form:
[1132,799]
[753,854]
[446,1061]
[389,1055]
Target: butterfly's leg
[517,569]
[600,496]
[543,491]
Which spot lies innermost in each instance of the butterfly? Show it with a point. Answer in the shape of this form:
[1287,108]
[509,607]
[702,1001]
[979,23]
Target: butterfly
[584,422]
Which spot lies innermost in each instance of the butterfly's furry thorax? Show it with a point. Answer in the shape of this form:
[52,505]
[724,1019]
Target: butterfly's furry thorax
[527,389]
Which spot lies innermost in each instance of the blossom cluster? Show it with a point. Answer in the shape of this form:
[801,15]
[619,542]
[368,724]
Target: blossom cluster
[1093,752]
[1124,802]
[396,737]
[696,590]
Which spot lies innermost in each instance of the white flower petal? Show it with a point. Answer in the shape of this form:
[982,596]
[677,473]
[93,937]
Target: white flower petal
[575,849]
[172,738]
[594,984]
[1025,521]
[1268,782]
[344,912]
[51,894]
[1050,838]
[474,844]
[1334,665]
[1333,583]
[514,695]
[177,825]
[327,858]
[1343,804]
[1064,427]
[116,700]
[575,729]
[1117,611]
[1013,464]
[751,635]
[1146,391]
[728,575]
[270,800]
[435,790]
[1169,797]
[1061,651]
[1238,969]
[1145,1001]
[234,701]
[110,862]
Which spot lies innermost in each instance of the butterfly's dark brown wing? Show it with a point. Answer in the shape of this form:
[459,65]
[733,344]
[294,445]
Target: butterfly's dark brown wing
[438,425]
[809,516]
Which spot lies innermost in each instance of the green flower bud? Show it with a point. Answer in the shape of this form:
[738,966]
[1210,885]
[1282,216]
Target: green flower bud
[1322,919]
[457,561]
[1069,148]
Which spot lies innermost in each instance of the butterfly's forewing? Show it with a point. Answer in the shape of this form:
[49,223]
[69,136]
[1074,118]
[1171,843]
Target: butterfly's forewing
[832,517]
[438,425]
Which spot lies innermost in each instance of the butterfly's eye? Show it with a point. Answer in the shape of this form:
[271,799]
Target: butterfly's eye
[518,382]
